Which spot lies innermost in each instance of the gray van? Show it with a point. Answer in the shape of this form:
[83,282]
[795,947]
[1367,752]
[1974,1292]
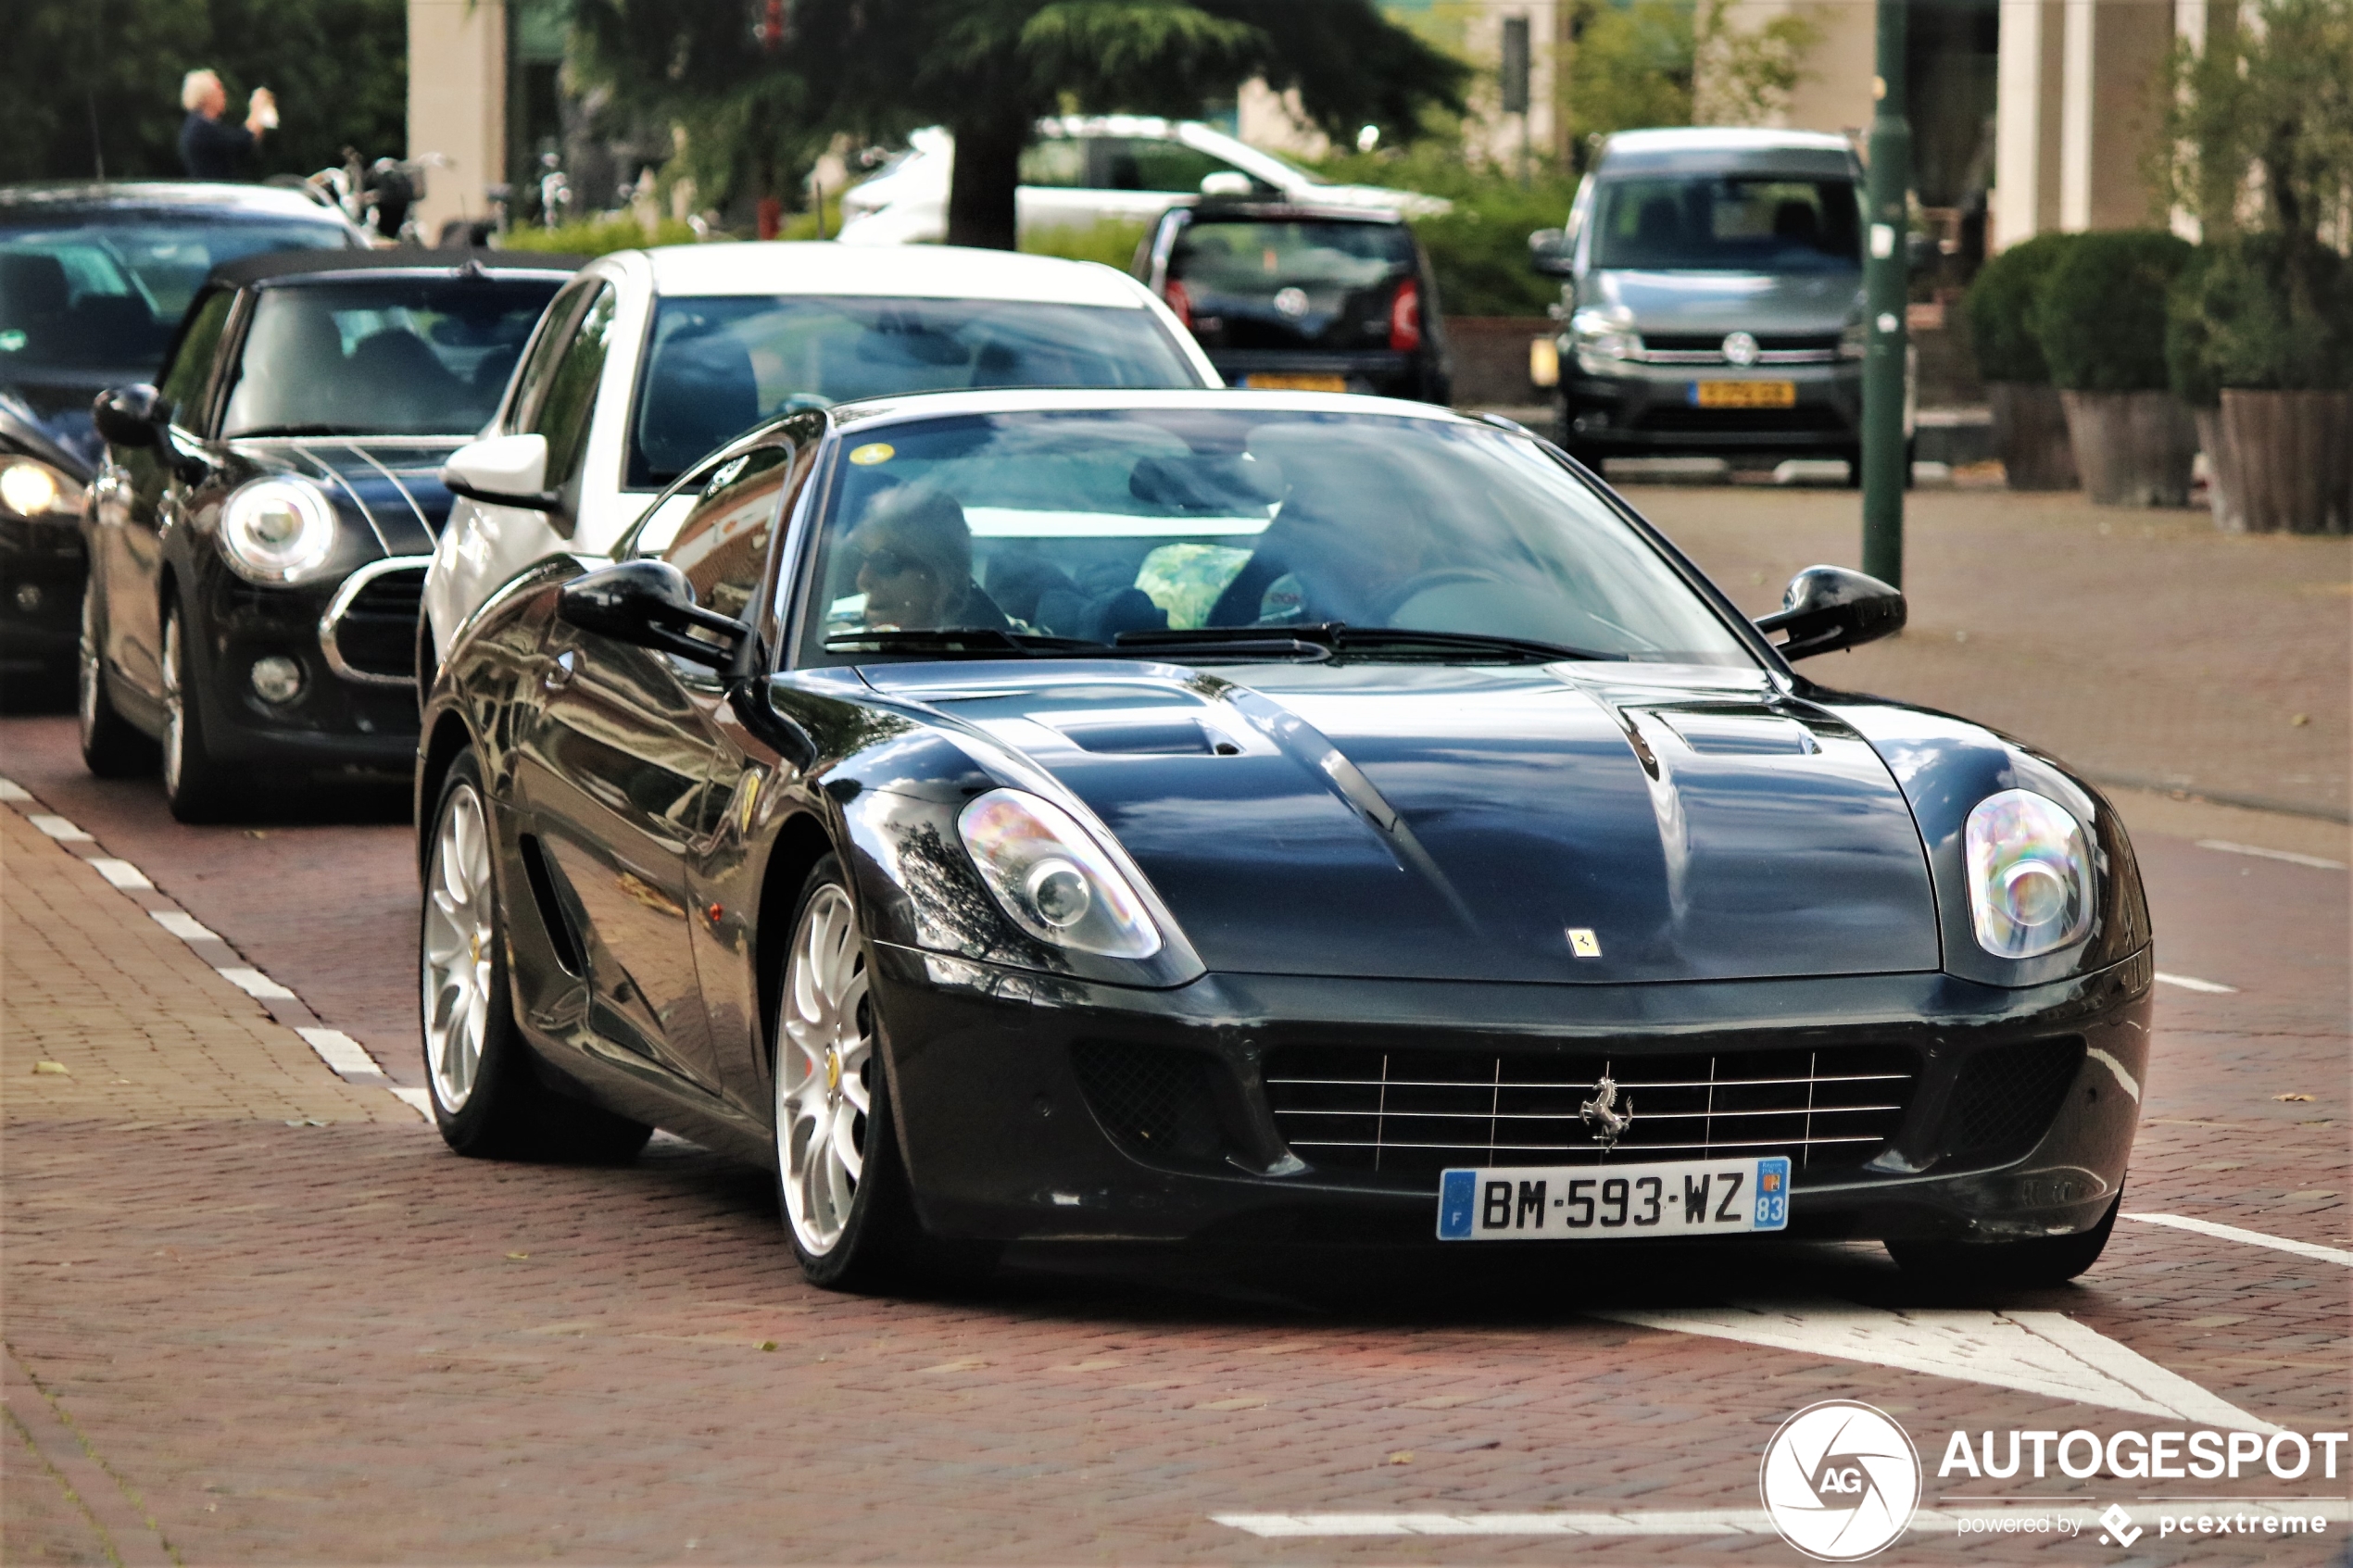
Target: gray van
[1714,297]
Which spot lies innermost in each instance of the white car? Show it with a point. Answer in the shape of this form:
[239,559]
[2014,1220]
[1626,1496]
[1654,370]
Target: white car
[649,358]
[1081,171]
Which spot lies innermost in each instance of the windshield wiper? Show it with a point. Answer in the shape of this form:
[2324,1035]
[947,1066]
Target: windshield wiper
[1340,637]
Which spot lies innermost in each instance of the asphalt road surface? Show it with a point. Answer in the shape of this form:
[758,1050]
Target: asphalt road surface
[277,1338]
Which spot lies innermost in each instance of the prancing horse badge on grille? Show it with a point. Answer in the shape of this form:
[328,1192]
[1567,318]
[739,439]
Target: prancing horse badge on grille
[1603,1108]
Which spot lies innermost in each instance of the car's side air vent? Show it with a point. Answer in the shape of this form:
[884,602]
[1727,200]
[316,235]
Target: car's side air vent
[552,915]
[2006,1098]
[1155,1102]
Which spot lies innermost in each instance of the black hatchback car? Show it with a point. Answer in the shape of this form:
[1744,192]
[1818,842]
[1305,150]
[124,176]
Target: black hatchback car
[259,531]
[93,279]
[1303,298]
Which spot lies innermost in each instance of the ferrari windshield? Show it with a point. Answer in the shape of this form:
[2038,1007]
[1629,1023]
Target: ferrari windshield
[1125,528]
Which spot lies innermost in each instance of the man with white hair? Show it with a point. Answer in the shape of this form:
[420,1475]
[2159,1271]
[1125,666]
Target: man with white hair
[211,150]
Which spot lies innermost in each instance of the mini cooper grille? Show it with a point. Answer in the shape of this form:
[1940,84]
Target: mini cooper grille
[1155,1102]
[376,634]
[2006,1096]
[1414,1114]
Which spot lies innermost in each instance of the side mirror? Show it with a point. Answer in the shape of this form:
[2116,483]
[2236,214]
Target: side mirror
[505,471]
[1225,183]
[1548,252]
[649,604]
[1828,607]
[131,416]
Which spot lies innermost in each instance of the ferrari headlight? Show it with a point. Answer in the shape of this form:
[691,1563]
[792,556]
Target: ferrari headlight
[33,489]
[1603,336]
[2030,875]
[274,530]
[1053,879]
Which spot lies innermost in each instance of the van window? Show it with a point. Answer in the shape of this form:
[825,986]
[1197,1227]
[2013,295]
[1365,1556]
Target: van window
[1727,223]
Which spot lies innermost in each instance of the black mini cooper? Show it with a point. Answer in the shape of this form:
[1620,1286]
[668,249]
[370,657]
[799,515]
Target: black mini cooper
[259,531]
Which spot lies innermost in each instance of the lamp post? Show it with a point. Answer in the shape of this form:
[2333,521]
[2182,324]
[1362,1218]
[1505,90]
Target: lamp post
[1883,288]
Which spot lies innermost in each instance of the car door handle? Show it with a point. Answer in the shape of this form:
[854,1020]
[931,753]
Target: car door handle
[560,673]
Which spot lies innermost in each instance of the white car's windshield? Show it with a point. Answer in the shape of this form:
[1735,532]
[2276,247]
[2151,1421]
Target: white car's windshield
[1114,528]
[718,364]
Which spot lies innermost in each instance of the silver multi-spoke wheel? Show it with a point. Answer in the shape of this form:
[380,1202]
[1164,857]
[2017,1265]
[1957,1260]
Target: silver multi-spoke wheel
[460,933]
[825,1052]
[175,710]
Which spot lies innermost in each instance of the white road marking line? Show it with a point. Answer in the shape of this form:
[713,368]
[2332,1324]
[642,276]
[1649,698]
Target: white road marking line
[57,827]
[183,925]
[120,874]
[254,983]
[1731,1520]
[2253,1238]
[341,1052]
[13,792]
[2048,1354]
[2315,861]
[2210,987]
[413,1099]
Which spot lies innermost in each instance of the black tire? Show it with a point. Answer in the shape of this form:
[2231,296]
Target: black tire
[111,748]
[196,788]
[828,1029]
[497,1106]
[2005,1266]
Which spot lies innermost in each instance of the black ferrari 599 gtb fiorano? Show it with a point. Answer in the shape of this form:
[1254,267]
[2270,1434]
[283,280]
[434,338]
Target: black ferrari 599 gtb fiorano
[1259,817]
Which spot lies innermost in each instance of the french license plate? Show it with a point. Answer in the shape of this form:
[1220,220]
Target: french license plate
[1267,381]
[1743,394]
[1607,1202]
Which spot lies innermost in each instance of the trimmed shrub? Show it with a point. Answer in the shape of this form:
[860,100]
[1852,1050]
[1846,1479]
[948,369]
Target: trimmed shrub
[597,236]
[2099,314]
[2238,317]
[1997,306]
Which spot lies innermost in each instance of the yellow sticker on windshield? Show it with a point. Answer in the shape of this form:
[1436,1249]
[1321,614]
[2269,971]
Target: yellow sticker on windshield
[874,452]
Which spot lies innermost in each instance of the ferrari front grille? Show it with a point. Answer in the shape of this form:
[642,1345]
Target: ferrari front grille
[2006,1098]
[1413,1113]
[1155,1102]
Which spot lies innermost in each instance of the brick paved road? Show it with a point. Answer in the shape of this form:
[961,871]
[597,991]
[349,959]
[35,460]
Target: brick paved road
[255,1312]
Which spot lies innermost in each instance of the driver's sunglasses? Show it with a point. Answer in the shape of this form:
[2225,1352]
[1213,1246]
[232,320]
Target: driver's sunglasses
[887,562]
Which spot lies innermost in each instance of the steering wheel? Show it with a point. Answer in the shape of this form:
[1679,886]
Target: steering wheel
[1413,587]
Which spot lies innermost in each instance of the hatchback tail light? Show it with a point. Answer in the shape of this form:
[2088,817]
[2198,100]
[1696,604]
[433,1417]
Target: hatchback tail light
[1406,316]
[1179,301]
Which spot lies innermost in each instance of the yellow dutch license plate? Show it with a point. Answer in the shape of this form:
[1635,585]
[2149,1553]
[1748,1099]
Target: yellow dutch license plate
[1264,381]
[1743,394]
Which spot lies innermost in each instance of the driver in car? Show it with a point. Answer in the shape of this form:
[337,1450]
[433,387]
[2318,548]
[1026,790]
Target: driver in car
[915,565]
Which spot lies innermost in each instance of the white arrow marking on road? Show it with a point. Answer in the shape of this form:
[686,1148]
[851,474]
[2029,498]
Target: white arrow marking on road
[2253,1238]
[2186,983]
[2045,1353]
[2315,861]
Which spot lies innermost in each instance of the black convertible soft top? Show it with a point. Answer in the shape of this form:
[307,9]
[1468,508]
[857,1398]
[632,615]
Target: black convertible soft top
[271,264]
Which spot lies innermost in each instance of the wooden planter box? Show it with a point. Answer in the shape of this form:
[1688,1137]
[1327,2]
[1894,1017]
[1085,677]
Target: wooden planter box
[2132,448]
[2280,461]
[2030,435]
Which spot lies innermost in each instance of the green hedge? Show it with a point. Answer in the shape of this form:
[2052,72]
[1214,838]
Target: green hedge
[597,236]
[2235,318]
[1997,306]
[2099,313]
[1478,251]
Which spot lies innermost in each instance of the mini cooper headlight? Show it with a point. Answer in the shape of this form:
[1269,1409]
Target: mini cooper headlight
[33,489]
[2030,875]
[1053,879]
[274,530]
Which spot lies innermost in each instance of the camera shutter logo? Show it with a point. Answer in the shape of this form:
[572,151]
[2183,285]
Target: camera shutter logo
[1841,1481]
